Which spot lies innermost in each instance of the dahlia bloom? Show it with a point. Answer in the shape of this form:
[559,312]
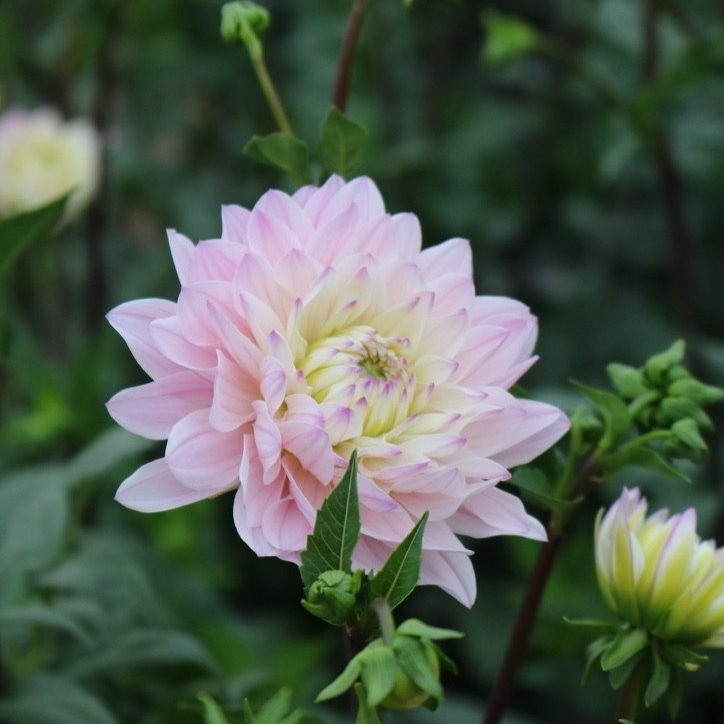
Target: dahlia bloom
[42,158]
[315,326]
[657,574]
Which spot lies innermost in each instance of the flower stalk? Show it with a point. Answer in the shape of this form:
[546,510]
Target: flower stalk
[346,55]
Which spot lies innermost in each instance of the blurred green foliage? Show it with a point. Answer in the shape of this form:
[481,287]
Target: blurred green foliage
[557,163]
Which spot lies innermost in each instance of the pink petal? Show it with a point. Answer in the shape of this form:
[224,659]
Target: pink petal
[132,321]
[273,383]
[151,410]
[311,446]
[285,527]
[234,393]
[453,572]
[268,441]
[168,336]
[183,253]
[203,458]
[276,204]
[451,257]
[269,236]
[153,488]
[234,220]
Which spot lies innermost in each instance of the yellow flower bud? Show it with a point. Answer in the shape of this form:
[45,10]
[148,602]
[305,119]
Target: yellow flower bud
[657,574]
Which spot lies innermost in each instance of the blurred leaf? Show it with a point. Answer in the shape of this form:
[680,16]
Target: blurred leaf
[336,530]
[659,682]
[398,577]
[413,658]
[342,683]
[658,365]
[627,380]
[213,713]
[341,143]
[18,232]
[282,151]
[366,714]
[45,699]
[415,627]
[507,38]
[615,414]
[636,454]
[36,614]
[379,669]
[535,488]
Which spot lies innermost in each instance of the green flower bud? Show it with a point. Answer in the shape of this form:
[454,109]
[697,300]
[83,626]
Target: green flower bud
[241,21]
[333,596]
[657,574]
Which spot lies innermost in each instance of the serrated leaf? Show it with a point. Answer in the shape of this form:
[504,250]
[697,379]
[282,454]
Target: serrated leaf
[399,576]
[213,713]
[283,151]
[378,671]
[627,380]
[336,530]
[36,614]
[615,414]
[659,682]
[635,454]
[536,489]
[45,699]
[341,143]
[413,659]
[625,645]
[343,682]
[415,627]
[18,232]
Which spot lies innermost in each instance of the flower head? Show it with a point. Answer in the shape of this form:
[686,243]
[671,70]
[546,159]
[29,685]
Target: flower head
[657,574]
[316,326]
[42,158]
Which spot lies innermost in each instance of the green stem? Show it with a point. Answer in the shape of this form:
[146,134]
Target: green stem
[384,616]
[267,86]
[628,701]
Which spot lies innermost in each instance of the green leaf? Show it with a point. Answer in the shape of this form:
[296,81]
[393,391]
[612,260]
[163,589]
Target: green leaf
[213,713]
[615,414]
[343,682]
[659,682]
[399,576]
[628,381]
[415,627]
[625,645]
[276,709]
[341,143]
[379,669]
[687,431]
[18,232]
[636,454]
[413,659]
[508,38]
[657,366]
[283,151]
[366,714]
[336,530]
[536,489]
[45,699]
[36,614]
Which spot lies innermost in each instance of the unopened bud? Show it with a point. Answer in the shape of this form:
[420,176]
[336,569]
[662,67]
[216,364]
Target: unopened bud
[332,597]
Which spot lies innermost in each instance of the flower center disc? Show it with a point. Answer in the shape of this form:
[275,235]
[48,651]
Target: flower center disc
[363,370]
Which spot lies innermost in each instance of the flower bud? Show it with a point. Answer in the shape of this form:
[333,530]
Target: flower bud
[658,575]
[42,158]
[241,21]
[332,597]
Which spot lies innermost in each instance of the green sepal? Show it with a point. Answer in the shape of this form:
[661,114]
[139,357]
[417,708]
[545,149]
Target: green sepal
[366,714]
[412,658]
[213,713]
[336,530]
[618,676]
[446,662]
[342,143]
[283,151]
[378,672]
[399,576]
[660,679]
[657,366]
[626,644]
[627,380]
[615,414]
[593,653]
[21,230]
[594,623]
[696,391]
[681,655]
[536,489]
[415,627]
[675,694]
[343,682]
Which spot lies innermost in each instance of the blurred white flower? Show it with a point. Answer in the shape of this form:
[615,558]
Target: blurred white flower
[657,574]
[42,157]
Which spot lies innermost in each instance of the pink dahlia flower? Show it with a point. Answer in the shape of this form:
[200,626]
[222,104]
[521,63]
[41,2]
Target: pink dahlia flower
[315,326]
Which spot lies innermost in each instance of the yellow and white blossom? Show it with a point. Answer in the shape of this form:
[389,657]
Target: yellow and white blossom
[657,574]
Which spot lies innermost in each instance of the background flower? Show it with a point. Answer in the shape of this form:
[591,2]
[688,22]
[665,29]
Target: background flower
[316,325]
[656,573]
[42,157]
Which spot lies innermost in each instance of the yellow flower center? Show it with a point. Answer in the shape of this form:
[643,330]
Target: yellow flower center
[362,369]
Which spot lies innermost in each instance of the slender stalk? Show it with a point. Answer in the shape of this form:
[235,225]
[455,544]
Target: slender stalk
[346,54]
[384,616]
[269,91]
[628,701]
